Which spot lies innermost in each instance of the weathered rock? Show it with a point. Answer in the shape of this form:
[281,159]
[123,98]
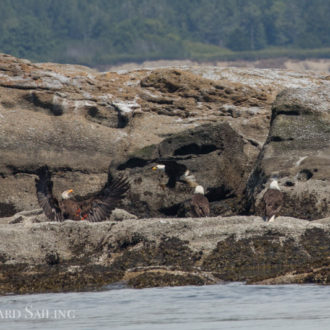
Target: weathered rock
[213,120]
[215,156]
[78,120]
[120,215]
[51,257]
[298,151]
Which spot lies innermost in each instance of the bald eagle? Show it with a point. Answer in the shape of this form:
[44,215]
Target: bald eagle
[199,203]
[273,199]
[94,209]
[196,206]
[176,172]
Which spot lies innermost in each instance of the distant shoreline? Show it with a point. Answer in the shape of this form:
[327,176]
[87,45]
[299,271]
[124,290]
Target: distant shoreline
[317,65]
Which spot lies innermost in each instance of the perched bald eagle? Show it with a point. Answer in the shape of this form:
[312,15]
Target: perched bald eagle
[176,172]
[196,206]
[199,203]
[273,199]
[94,209]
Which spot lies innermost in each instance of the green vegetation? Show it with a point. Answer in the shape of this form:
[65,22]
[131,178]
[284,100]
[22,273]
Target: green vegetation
[96,32]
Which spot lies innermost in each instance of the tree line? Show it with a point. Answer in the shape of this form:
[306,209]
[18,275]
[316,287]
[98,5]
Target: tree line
[110,31]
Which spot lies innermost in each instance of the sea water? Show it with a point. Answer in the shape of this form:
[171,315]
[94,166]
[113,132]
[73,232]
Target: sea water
[225,306]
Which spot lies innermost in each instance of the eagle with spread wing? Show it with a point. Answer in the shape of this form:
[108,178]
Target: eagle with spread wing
[96,208]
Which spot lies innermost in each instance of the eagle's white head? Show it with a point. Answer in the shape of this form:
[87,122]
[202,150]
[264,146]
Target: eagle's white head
[274,185]
[199,190]
[67,194]
[159,167]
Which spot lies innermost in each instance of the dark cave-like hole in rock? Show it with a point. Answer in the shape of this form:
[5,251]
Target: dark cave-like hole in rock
[305,175]
[289,113]
[122,121]
[254,143]
[171,87]
[276,139]
[55,109]
[7,210]
[279,139]
[219,193]
[194,148]
[289,184]
[132,163]
[93,111]
[170,211]
[207,148]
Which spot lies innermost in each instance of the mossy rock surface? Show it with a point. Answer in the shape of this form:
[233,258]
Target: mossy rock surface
[78,256]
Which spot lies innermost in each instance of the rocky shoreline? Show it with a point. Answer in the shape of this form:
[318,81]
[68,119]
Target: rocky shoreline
[232,127]
[71,256]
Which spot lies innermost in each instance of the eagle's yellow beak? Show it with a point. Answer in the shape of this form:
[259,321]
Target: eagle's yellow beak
[154,168]
[70,191]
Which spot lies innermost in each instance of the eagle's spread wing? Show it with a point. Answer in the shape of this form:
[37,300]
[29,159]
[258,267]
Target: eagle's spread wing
[173,170]
[103,205]
[45,196]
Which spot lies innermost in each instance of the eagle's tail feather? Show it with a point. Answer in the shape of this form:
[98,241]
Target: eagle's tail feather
[272,219]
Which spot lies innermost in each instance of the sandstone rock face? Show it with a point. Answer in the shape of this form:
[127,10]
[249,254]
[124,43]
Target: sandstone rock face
[78,121]
[52,257]
[298,151]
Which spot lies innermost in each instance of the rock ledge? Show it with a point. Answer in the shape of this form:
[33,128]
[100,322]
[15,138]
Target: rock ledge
[71,256]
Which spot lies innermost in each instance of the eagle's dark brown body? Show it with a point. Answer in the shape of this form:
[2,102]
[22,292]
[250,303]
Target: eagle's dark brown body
[200,205]
[94,209]
[273,199]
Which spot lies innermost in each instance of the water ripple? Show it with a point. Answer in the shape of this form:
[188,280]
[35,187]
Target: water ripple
[226,306]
